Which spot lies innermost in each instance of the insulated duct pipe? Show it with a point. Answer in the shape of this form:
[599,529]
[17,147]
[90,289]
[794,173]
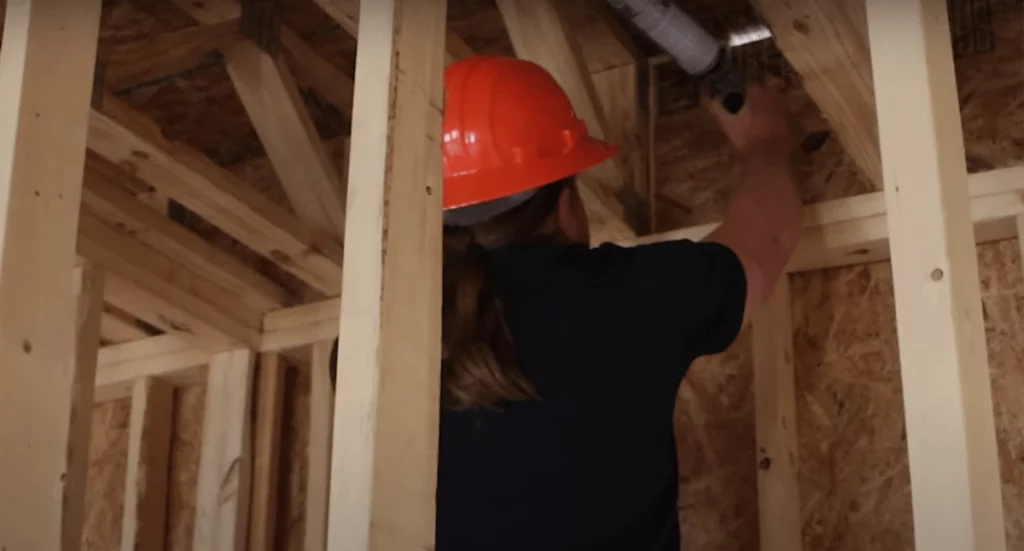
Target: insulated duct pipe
[693,48]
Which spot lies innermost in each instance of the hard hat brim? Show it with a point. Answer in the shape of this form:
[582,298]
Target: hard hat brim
[478,187]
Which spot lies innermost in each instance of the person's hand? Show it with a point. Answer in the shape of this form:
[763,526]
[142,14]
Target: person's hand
[762,129]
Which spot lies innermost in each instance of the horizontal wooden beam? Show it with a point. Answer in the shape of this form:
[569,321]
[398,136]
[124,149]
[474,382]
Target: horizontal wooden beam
[122,135]
[853,230]
[836,233]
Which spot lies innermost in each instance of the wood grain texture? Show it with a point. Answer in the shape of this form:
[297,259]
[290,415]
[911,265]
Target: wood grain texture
[270,393]
[46,349]
[384,467]
[277,111]
[947,397]
[826,42]
[123,135]
[318,454]
[149,450]
[775,419]
[225,464]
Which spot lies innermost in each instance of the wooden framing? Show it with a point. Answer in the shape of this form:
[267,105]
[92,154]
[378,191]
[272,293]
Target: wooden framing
[149,450]
[49,309]
[118,270]
[951,439]
[383,473]
[775,422]
[225,465]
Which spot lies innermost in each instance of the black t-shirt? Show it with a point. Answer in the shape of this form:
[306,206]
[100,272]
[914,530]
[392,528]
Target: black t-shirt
[606,336]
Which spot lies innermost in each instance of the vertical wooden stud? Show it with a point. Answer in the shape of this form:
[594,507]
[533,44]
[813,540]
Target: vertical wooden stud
[149,448]
[46,76]
[947,397]
[318,456]
[384,461]
[774,395]
[266,452]
[222,492]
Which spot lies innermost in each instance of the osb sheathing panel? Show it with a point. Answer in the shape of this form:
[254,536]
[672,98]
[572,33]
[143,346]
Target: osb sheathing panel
[108,455]
[104,489]
[853,474]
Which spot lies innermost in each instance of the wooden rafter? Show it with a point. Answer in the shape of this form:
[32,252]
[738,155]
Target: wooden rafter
[384,466]
[276,109]
[49,307]
[826,42]
[539,33]
[122,135]
[947,397]
[105,197]
[117,327]
[310,68]
[209,304]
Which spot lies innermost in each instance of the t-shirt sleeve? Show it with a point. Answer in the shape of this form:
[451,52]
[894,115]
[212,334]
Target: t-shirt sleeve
[688,295]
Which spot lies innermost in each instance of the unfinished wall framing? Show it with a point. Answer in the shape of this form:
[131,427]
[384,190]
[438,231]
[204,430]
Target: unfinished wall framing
[200,256]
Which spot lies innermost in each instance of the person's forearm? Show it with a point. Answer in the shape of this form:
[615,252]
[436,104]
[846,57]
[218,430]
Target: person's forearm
[762,224]
[767,200]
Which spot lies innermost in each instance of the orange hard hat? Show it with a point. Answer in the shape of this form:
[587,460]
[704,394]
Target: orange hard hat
[509,128]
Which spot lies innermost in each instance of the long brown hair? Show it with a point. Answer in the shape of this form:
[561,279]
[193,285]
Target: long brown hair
[479,365]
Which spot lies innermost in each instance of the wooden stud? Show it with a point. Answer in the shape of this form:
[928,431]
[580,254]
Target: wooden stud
[538,33]
[276,109]
[123,135]
[149,448]
[775,417]
[318,455]
[222,493]
[951,439]
[266,452]
[1020,237]
[46,76]
[826,42]
[384,468]
[346,14]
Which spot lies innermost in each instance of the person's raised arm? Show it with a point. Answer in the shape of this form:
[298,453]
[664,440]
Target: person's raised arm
[763,217]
